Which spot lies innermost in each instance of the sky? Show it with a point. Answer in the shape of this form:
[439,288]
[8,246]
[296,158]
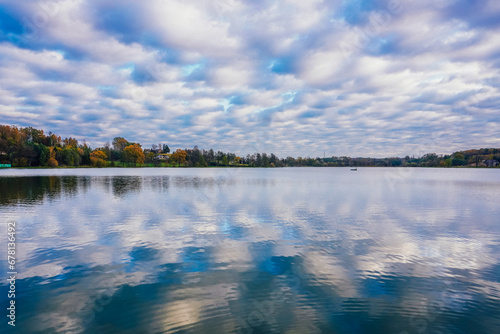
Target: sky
[292,77]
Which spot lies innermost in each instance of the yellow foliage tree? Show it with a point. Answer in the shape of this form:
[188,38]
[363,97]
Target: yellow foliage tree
[98,158]
[179,157]
[52,162]
[134,153]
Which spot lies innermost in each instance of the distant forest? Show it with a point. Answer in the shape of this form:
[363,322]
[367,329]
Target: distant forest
[29,147]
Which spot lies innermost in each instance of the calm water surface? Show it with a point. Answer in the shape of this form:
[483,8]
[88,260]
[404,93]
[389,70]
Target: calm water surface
[290,250]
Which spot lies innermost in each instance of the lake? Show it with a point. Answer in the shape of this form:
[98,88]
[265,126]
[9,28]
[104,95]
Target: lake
[250,250]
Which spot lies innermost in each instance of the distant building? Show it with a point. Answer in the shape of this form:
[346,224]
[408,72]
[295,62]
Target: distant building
[491,163]
[162,157]
[150,150]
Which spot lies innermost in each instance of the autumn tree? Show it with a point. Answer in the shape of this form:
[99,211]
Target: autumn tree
[119,143]
[98,158]
[54,140]
[133,153]
[179,157]
[70,142]
[52,162]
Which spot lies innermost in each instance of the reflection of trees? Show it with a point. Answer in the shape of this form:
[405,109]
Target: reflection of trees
[29,190]
[69,185]
[159,183]
[122,185]
[201,182]
[36,188]
[191,182]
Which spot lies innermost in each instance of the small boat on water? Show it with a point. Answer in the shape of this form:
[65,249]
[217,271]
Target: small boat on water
[354,169]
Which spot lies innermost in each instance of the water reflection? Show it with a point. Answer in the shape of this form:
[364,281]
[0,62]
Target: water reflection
[257,251]
[122,185]
[30,190]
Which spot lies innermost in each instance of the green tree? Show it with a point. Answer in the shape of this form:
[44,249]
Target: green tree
[86,155]
[458,159]
[210,156]
[202,162]
[218,157]
[150,157]
[265,160]
[43,154]
[70,156]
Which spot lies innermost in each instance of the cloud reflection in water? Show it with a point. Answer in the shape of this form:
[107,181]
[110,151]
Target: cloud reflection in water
[281,250]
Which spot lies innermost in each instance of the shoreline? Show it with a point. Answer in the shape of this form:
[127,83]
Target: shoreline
[208,167]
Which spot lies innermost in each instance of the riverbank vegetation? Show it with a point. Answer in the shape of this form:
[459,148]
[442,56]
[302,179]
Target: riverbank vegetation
[29,147]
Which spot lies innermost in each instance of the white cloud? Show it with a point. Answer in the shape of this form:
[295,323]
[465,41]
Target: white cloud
[95,76]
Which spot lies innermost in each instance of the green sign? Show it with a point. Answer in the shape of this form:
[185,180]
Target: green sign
[5,165]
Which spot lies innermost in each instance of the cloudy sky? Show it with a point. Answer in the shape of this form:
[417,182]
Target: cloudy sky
[293,77]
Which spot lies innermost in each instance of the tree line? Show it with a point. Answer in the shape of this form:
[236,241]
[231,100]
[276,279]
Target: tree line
[30,147]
